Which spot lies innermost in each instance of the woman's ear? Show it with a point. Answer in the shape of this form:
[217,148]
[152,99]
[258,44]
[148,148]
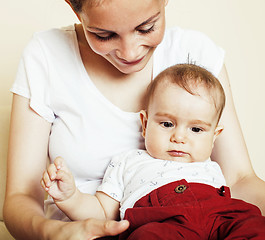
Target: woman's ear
[77,15]
[144,118]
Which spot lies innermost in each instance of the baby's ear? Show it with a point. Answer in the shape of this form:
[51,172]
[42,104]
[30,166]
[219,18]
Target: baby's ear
[217,132]
[144,118]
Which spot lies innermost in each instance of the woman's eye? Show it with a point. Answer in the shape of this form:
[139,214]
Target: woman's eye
[148,30]
[196,129]
[105,37]
[167,124]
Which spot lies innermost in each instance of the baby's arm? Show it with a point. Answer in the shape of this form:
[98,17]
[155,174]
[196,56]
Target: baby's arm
[59,183]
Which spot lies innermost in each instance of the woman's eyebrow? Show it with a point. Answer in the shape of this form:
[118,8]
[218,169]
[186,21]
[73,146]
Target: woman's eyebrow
[99,29]
[142,24]
[149,20]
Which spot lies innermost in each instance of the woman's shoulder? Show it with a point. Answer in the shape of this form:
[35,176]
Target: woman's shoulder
[55,32]
[53,40]
[180,38]
[56,36]
[185,45]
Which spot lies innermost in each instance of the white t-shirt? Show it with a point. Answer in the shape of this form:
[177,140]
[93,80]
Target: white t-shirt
[87,129]
[133,174]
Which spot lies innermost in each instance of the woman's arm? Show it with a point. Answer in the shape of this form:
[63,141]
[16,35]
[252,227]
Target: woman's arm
[231,153]
[27,157]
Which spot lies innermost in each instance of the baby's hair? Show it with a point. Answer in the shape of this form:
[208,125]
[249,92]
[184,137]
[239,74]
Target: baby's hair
[190,77]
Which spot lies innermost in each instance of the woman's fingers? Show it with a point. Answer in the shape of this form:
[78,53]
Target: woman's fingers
[100,228]
[87,229]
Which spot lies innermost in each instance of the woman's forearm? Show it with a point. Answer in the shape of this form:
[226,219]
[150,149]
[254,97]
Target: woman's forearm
[28,215]
[34,226]
[27,157]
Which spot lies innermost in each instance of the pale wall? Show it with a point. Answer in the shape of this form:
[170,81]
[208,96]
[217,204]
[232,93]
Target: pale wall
[235,25]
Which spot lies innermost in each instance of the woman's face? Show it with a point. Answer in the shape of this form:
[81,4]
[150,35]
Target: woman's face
[124,32]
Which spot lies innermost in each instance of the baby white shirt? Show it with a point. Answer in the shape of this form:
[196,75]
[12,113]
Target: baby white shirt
[133,174]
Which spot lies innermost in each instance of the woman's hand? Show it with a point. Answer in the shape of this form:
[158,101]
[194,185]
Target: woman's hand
[85,230]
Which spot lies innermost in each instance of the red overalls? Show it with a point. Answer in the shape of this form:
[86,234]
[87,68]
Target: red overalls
[182,210]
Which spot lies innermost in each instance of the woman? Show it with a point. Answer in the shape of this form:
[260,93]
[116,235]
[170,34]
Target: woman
[78,94]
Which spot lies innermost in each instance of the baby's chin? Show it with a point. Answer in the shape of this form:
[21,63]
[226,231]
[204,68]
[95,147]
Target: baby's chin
[184,158]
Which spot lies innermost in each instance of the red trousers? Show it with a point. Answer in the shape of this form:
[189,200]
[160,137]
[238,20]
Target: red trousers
[182,210]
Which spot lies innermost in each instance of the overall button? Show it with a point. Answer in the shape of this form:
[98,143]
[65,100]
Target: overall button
[180,188]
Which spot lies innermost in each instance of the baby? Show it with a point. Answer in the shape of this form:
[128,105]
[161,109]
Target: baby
[172,188]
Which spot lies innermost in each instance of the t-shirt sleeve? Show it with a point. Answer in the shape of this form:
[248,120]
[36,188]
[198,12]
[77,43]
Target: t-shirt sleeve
[188,46]
[201,50]
[32,80]
[112,183]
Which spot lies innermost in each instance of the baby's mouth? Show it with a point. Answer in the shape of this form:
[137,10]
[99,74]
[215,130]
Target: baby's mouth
[176,153]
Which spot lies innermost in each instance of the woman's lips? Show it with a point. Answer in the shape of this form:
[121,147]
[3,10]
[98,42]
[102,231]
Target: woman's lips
[133,62]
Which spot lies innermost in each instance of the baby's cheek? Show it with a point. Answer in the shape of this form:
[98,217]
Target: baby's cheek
[154,149]
[204,152]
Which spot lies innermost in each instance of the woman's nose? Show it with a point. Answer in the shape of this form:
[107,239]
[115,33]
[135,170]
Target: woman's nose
[129,49]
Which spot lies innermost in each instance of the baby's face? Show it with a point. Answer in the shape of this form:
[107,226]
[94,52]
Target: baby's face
[180,126]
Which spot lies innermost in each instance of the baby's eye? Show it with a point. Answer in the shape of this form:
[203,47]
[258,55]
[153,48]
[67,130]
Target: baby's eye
[196,129]
[167,124]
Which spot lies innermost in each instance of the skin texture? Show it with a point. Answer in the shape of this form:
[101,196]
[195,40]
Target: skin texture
[29,133]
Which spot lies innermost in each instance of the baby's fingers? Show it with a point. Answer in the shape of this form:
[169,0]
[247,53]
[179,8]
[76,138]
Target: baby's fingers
[46,181]
[60,164]
[52,171]
[65,177]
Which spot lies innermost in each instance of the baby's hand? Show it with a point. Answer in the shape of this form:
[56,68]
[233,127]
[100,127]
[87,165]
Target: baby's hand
[58,181]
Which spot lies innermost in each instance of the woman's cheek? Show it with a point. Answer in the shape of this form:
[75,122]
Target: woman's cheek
[98,46]
[157,36]
[101,48]
[157,39]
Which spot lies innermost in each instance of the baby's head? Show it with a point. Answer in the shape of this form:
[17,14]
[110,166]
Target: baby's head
[183,107]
